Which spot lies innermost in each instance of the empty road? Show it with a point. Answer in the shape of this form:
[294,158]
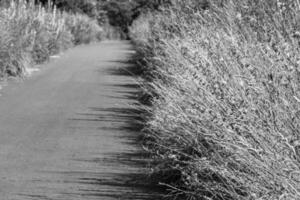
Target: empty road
[67,132]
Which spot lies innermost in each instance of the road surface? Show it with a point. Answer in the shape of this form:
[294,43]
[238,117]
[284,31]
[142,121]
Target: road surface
[66,132]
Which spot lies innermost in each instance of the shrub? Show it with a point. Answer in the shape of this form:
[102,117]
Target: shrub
[225,109]
[84,29]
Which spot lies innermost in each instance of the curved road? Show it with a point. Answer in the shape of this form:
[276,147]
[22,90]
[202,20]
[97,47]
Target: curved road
[67,132]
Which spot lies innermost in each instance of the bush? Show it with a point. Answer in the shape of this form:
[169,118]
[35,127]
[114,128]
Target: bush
[225,78]
[30,34]
[84,29]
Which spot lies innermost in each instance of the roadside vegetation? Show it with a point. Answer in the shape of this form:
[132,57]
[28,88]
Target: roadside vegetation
[31,33]
[33,30]
[224,81]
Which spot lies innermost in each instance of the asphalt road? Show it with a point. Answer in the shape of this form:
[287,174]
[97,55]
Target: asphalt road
[67,132]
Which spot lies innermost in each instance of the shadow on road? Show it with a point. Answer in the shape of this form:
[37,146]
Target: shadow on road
[132,184]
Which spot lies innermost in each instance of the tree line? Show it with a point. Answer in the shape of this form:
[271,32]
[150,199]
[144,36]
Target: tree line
[118,13]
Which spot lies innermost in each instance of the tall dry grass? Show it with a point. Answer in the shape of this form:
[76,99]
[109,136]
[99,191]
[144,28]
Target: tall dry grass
[30,34]
[225,86]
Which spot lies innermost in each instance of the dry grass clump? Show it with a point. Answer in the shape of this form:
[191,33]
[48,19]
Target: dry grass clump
[30,34]
[225,114]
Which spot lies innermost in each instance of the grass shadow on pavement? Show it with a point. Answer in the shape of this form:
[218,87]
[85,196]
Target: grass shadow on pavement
[135,184]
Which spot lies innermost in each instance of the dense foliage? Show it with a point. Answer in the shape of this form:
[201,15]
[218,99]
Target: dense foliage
[122,13]
[30,34]
[225,85]
[117,13]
